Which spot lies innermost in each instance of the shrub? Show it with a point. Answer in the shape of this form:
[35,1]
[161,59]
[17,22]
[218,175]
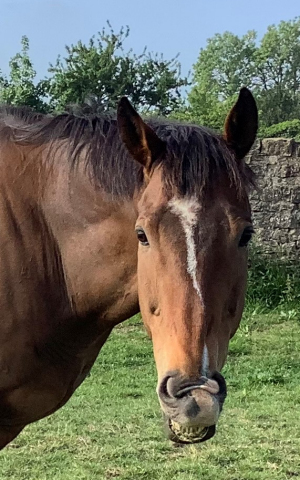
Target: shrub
[289,129]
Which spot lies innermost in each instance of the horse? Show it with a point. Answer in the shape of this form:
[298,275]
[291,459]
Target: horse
[105,216]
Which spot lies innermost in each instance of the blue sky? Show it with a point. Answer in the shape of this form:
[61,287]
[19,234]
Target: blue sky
[166,26]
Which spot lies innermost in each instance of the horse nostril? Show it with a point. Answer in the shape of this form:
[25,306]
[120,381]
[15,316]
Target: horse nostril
[164,390]
[222,387]
[169,390]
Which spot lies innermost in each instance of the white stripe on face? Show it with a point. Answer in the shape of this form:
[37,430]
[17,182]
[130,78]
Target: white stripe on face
[205,361]
[186,210]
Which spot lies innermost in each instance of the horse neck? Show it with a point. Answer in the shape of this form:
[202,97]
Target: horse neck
[97,244]
[31,270]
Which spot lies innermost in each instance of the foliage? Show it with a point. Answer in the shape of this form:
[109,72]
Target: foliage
[19,88]
[100,72]
[289,129]
[270,68]
[103,72]
[278,73]
[222,68]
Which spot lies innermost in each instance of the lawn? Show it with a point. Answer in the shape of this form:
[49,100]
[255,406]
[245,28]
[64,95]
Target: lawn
[112,428]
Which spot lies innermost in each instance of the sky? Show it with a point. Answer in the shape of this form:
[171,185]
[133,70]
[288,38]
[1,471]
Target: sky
[165,26]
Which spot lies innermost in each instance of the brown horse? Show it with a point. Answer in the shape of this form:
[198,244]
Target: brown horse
[101,215]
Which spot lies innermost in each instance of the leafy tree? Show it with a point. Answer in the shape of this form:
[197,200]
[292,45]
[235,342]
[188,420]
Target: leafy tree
[277,81]
[226,64]
[102,70]
[19,88]
[271,69]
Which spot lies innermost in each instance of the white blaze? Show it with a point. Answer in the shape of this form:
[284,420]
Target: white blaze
[205,361]
[186,210]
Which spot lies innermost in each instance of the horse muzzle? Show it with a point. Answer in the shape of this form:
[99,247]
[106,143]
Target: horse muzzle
[191,408]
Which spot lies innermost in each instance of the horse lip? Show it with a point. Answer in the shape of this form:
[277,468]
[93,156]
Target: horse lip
[205,434]
[210,386]
[215,385]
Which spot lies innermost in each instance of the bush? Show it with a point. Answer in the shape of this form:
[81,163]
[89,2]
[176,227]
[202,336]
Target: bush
[289,129]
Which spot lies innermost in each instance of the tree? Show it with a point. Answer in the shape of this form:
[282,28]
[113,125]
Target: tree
[271,69]
[226,64]
[277,82]
[19,88]
[102,70]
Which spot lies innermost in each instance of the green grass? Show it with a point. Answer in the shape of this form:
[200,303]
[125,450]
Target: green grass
[111,428]
[273,281]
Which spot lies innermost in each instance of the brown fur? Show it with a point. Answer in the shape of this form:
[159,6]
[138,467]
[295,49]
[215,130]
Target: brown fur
[68,250]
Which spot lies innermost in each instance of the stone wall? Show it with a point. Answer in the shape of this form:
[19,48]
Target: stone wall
[276,202]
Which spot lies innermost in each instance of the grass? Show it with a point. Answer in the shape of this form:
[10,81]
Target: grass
[273,281]
[111,428]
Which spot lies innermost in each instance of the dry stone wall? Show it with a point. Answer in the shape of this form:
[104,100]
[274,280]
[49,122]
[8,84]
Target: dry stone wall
[276,202]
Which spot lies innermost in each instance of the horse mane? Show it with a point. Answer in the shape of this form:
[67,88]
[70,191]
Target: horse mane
[196,156]
[17,116]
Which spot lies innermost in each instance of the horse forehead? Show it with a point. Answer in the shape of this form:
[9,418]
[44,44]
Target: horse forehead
[186,209]
[154,196]
[192,214]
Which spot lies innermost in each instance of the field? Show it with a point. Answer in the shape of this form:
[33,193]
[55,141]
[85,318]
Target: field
[112,428]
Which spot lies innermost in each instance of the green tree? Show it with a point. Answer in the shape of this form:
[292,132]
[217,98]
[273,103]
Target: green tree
[277,81]
[104,71]
[270,68]
[226,64]
[20,87]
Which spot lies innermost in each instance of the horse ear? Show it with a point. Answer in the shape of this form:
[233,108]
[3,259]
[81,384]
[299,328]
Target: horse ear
[241,124]
[141,141]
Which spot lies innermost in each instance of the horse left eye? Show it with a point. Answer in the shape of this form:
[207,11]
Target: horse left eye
[246,237]
[142,237]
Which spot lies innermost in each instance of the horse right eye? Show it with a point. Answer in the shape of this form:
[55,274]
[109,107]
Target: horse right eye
[246,237]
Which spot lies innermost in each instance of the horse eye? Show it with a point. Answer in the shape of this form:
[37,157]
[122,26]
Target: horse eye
[246,237]
[142,237]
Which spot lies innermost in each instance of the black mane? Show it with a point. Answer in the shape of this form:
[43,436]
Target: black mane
[195,157]
[19,115]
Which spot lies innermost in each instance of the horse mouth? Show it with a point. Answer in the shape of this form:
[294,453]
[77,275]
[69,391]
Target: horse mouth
[187,435]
